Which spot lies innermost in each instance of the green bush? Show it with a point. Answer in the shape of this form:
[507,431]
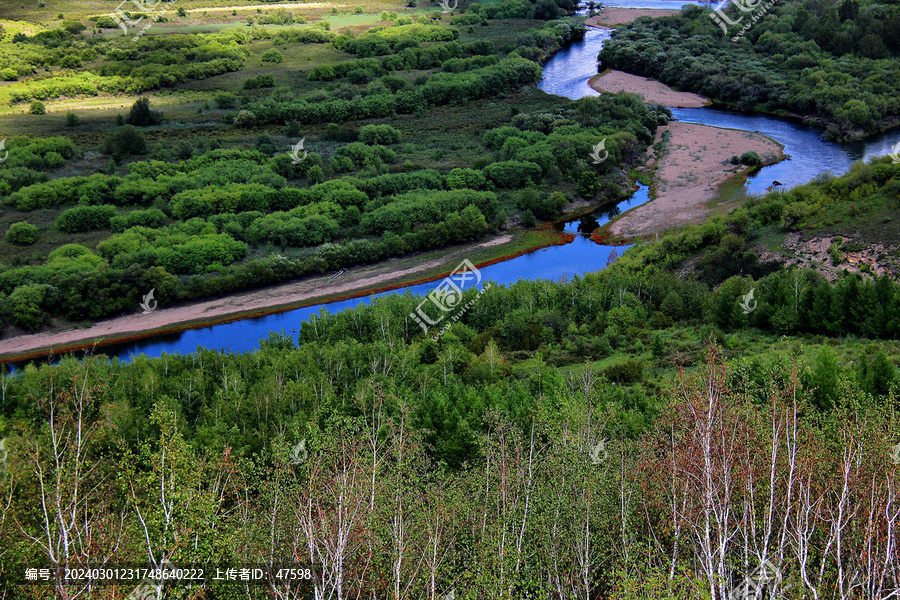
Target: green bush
[466,179]
[37,108]
[751,159]
[29,306]
[358,155]
[22,234]
[265,80]
[71,119]
[245,118]
[74,27]
[105,22]
[272,56]
[138,218]
[513,174]
[626,371]
[141,115]
[422,207]
[225,100]
[86,218]
[379,134]
[124,141]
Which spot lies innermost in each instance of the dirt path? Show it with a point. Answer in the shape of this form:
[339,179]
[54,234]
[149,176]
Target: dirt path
[355,281]
[694,163]
[654,92]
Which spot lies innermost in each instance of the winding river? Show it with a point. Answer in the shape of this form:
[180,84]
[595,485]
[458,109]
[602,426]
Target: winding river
[565,75]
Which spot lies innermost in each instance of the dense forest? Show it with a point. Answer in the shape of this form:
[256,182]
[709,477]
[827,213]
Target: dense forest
[613,436]
[835,63]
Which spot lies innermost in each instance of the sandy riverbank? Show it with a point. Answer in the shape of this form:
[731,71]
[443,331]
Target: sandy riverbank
[654,92]
[356,281]
[611,15]
[693,165]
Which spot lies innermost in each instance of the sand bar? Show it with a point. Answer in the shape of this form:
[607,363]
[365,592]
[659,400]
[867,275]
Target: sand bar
[654,92]
[694,164]
[611,15]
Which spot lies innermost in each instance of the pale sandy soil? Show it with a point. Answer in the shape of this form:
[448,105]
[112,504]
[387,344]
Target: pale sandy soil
[654,92]
[815,254]
[693,166]
[351,282]
[616,16]
[292,5]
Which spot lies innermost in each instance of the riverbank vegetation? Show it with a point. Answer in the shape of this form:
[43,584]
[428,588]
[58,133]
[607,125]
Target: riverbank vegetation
[389,167]
[855,210]
[834,64]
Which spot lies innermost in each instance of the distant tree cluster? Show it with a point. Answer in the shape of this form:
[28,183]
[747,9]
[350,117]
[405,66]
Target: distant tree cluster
[834,63]
[133,68]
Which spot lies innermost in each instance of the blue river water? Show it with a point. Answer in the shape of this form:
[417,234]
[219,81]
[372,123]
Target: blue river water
[566,75]
[576,258]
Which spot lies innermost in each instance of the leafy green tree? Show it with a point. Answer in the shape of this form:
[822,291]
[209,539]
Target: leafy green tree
[29,306]
[877,375]
[37,108]
[588,184]
[124,141]
[141,115]
[824,379]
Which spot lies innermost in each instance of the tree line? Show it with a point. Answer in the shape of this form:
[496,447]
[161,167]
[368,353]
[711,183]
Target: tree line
[565,488]
[831,63]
